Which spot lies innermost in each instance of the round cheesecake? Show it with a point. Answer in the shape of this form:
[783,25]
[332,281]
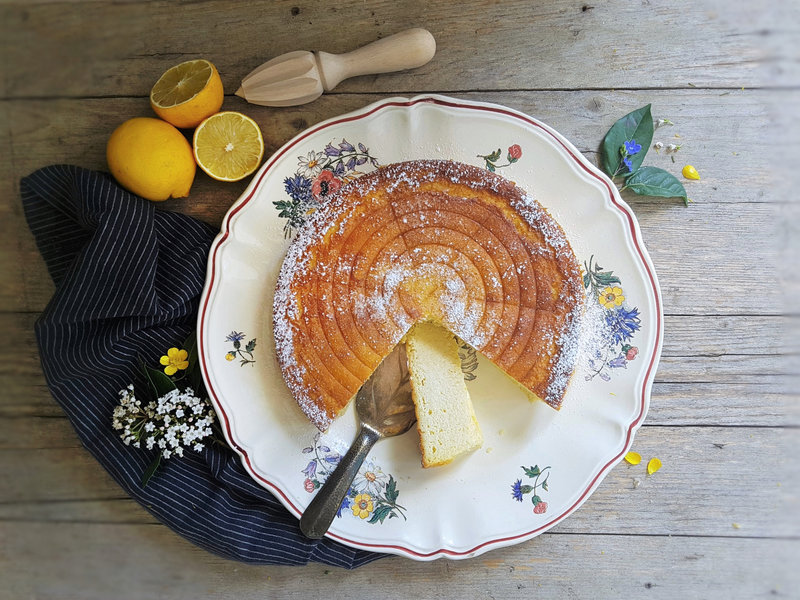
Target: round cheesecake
[425,241]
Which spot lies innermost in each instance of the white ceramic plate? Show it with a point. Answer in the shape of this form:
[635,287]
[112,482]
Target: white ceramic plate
[487,499]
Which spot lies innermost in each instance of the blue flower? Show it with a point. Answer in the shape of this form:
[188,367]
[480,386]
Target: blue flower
[345,504]
[234,336]
[627,162]
[516,490]
[331,151]
[311,469]
[631,147]
[298,187]
[346,146]
[333,458]
[622,323]
[618,362]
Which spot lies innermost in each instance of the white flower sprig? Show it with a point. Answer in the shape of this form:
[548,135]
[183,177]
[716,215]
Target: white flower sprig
[175,421]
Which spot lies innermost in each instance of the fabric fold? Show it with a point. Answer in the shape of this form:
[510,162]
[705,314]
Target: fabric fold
[128,280]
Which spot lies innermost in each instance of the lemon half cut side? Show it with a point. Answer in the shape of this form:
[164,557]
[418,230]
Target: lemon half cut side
[228,146]
[187,93]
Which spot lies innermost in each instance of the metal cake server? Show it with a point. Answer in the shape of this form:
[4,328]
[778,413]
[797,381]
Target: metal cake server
[385,409]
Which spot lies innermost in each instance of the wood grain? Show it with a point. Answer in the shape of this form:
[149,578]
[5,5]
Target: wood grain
[508,43]
[678,238]
[724,415]
[58,481]
[145,561]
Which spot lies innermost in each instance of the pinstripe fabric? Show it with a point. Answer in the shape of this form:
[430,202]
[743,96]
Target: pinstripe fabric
[128,280]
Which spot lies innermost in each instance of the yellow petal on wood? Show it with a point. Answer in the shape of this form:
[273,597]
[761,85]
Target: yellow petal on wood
[633,458]
[653,466]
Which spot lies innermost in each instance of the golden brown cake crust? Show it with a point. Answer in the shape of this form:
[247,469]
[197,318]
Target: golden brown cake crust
[425,240]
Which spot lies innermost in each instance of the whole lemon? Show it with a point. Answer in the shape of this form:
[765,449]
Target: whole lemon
[151,158]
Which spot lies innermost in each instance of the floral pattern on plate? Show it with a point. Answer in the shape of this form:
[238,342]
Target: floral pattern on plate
[245,355]
[373,495]
[535,474]
[615,322]
[318,175]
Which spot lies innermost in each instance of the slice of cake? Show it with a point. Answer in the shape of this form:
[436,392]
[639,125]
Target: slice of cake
[445,418]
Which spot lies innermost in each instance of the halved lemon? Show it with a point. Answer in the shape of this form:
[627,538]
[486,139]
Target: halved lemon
[228,146]
[187,93]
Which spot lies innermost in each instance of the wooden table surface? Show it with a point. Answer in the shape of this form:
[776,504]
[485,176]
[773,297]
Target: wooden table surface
[720,520]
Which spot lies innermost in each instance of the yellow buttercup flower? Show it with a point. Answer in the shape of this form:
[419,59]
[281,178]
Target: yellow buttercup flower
[362,506]
[611,297]
[230,356]
[175,360]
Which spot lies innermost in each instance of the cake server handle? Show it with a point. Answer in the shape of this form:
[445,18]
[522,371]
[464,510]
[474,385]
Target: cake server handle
[319,515]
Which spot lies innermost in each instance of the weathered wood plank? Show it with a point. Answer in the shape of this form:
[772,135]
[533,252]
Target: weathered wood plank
[714,371]
[142,561]
[116,49]
[699,491]
[679,239]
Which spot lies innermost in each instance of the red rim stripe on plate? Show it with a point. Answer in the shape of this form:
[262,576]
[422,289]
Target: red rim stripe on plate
[579,159]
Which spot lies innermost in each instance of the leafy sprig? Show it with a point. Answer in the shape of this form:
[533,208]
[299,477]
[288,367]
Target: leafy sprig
[623,151]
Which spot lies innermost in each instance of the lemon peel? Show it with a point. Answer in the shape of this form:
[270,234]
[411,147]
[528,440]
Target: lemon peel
[633,458]
[653,466]
[187,93]
[690,172]
[151,158]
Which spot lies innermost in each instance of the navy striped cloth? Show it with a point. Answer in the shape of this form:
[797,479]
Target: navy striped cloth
[128,279]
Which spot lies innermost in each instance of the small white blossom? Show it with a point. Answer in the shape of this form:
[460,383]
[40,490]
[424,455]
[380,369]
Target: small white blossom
[658,146]
[176,421]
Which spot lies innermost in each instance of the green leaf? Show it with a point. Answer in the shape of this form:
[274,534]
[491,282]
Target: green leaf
[251,345]
[391,491]
[536,500]
[636,125]
[190,345]
[532,471]
[586,280]
[544,485]
[380,513]
[526,489]
[606,278]
[652,181]
[493,156]
[151,470]
[160,383]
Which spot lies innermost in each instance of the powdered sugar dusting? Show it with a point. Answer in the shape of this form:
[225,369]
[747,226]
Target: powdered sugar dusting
[422,278]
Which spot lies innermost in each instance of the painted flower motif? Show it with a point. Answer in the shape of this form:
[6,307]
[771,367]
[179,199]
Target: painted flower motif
[311,164]
[618,362]
[308,485]
[234,336]
[298,188]
[310,470]
[362,506]
[230,356]
[516,490]
[611,297]
[325,184]
[371,481]
[540,508]
[174,361]
[632,147]
[622,323]
[514,153]
[632,353]
[344,505]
